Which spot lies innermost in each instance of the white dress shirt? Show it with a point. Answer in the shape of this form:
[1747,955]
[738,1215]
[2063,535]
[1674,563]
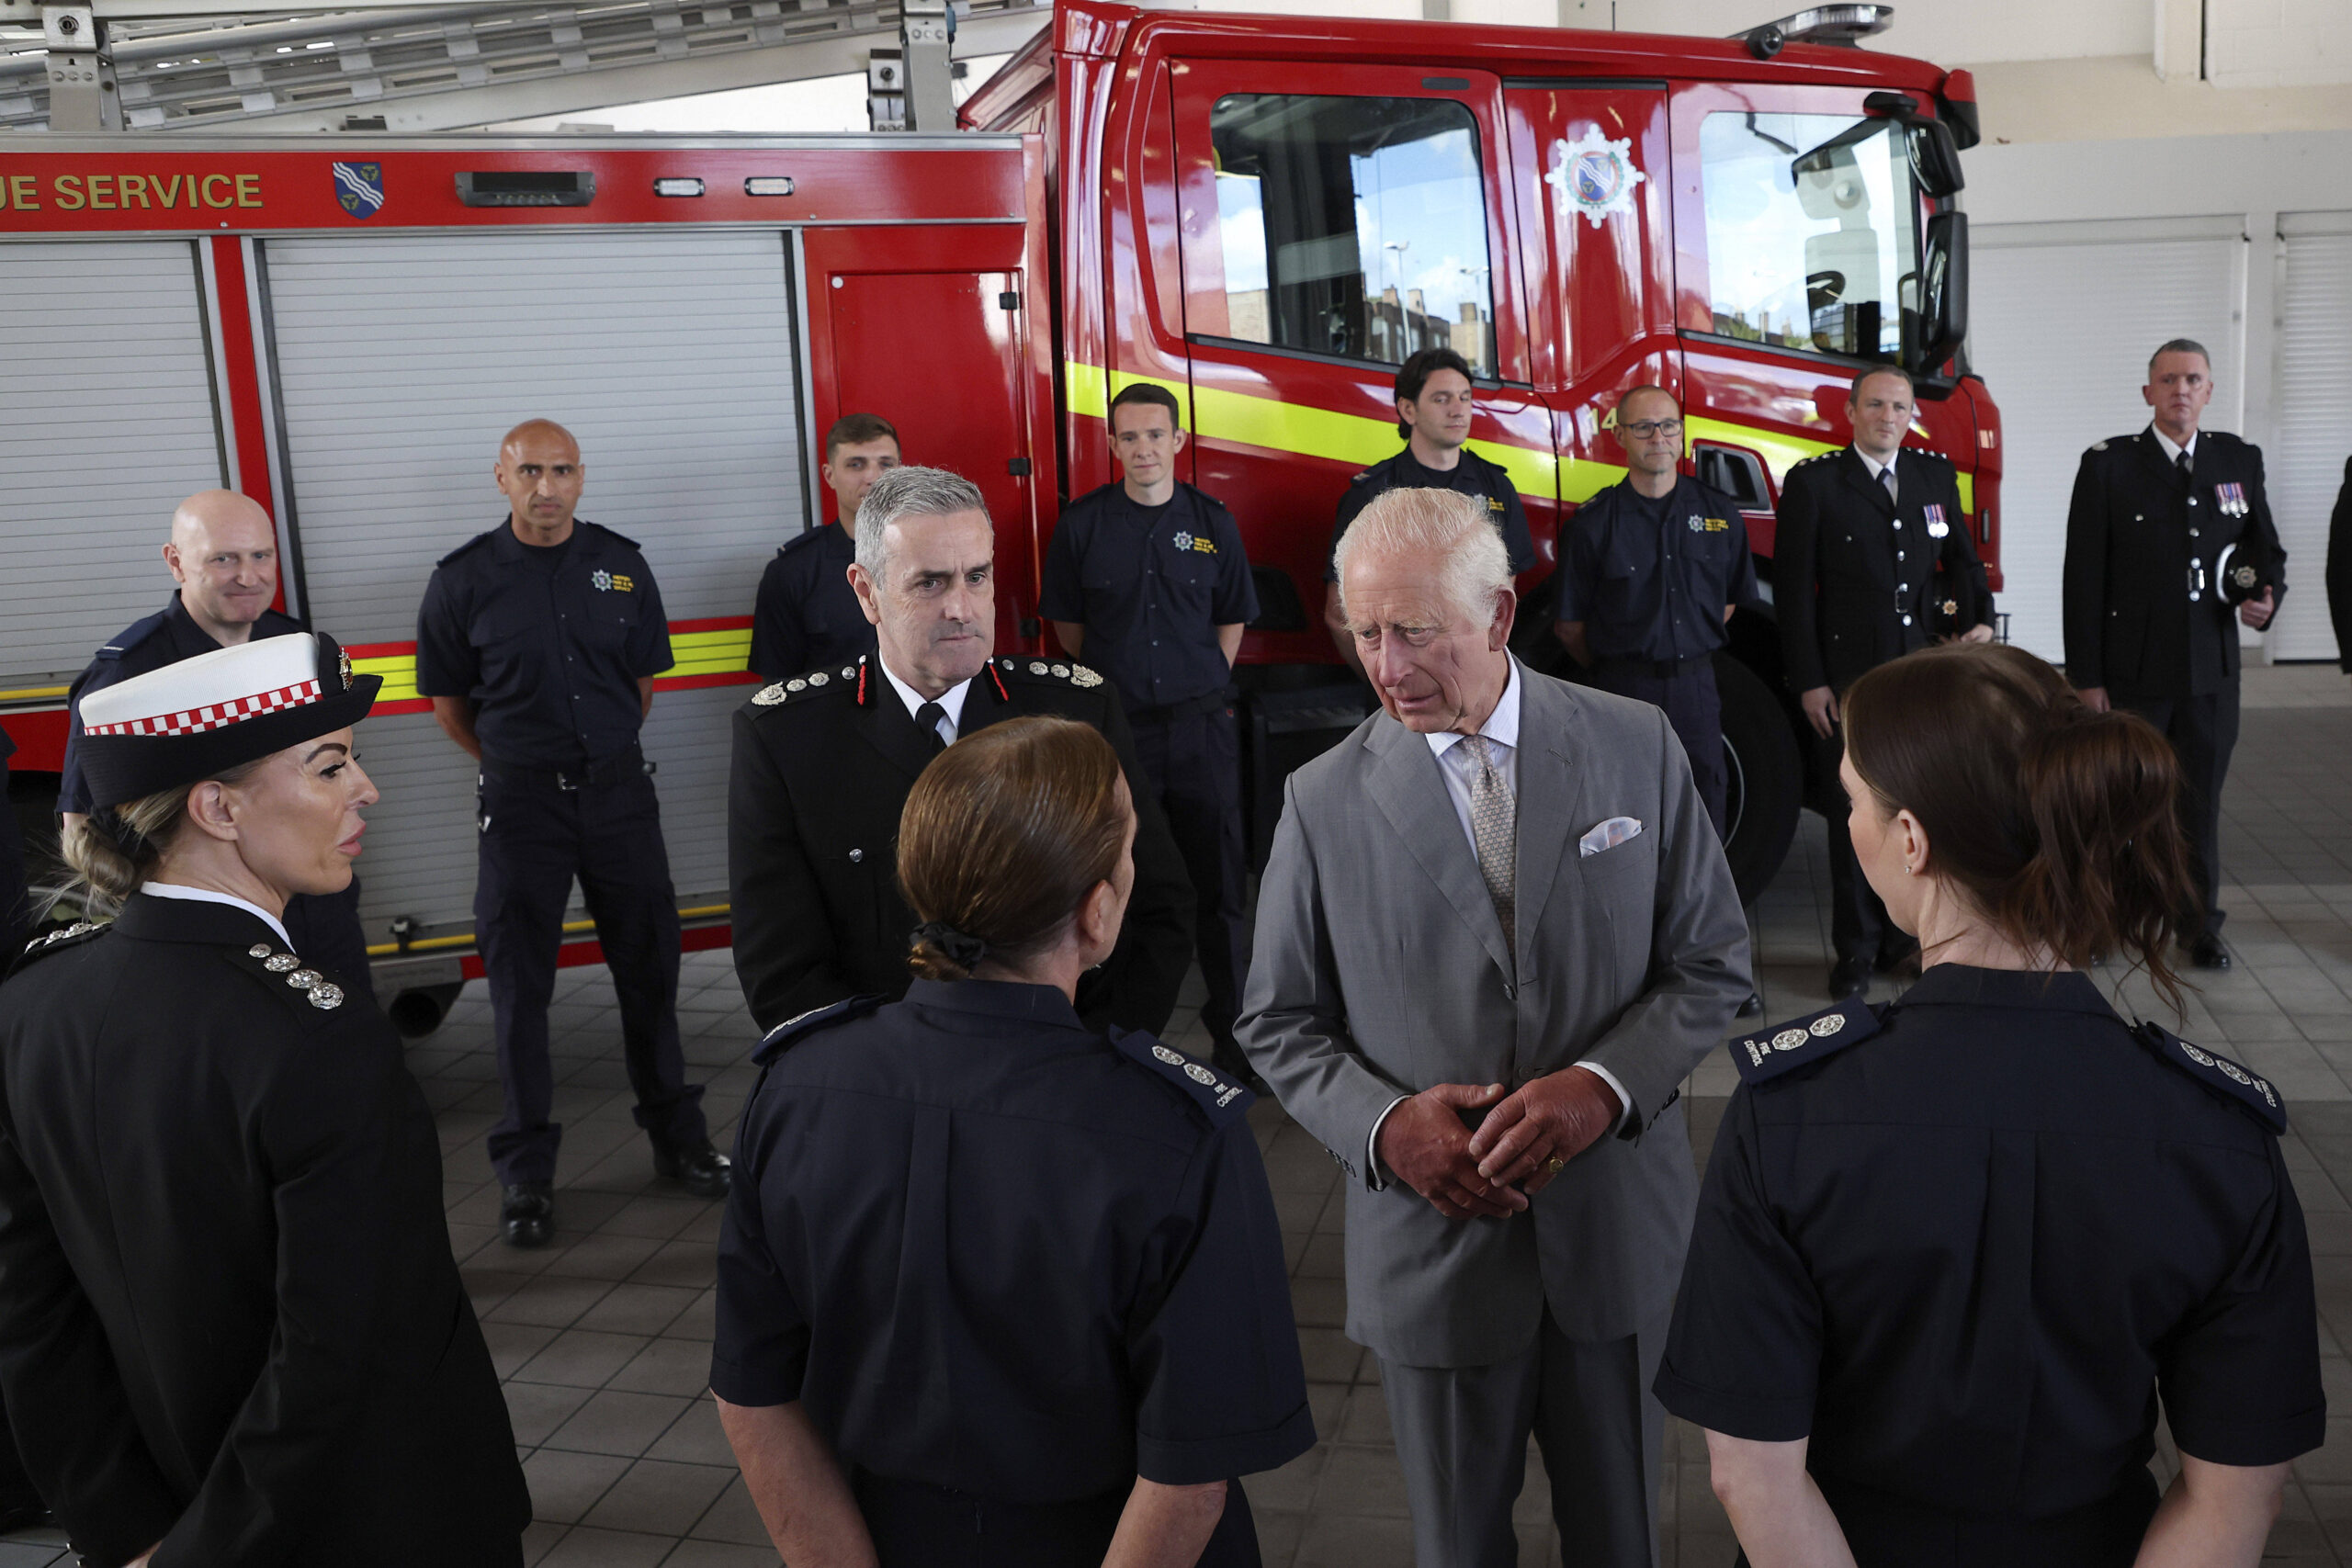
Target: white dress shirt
[206,896]
[1460,770]
[951,701]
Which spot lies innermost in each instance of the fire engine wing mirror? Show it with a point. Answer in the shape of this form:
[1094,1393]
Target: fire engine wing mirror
[1935,151]
[1943,292]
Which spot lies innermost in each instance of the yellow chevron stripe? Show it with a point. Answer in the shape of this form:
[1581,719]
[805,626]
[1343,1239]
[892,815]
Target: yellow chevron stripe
[698,653]
[398,671]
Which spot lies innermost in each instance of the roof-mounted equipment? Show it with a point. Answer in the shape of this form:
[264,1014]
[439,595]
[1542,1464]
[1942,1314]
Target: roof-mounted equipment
[1844,27]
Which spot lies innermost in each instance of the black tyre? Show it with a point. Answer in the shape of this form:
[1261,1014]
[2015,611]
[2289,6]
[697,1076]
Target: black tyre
[1767,777]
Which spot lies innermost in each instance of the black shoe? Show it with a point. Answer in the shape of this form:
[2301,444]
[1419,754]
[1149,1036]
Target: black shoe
[2209,952]
[1894,951]
[702,1170]
[1753,1007]
[526,1214]
[1849,977]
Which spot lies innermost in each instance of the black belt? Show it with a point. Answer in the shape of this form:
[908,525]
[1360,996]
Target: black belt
[1174,711]
[1657,668]
[615,768]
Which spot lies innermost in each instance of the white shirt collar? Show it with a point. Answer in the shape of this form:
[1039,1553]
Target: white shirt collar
[950,700]
[206,896]
[1501,726]
[1873,465]
[2173,449]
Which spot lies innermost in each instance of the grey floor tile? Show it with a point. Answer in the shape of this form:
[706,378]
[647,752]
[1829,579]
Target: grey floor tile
[566,1485]
[612,1422]
[660,1497]
[585,1547]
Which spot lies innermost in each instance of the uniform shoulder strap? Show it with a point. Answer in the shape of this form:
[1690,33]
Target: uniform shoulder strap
[131,637]
[621,539]
[477,542]
[792,1030]
[1048,671]
[812,684]
[75,935]
[1769,1053]
[1220,1102]
[2217,1076]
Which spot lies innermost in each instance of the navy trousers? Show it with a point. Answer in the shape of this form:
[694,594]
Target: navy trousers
[1694,712]
[1192,764]
[536,837]
[2203,732]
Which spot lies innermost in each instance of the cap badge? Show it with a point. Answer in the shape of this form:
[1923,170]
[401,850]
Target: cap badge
[2245,576]
[342,667]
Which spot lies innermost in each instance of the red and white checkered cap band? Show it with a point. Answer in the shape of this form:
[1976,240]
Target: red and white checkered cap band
[213,715]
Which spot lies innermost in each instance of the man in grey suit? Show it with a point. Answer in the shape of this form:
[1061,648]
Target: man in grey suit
[1497,933]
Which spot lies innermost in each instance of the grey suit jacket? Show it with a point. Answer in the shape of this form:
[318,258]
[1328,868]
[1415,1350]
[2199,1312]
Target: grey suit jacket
[1381,970]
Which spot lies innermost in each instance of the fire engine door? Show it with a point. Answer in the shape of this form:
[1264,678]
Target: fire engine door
[938,355]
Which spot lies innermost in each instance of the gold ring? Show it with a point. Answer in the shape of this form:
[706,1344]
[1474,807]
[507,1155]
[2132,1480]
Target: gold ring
[1555,1165]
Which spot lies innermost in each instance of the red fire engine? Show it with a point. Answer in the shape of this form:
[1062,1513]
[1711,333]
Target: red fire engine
[1265,215]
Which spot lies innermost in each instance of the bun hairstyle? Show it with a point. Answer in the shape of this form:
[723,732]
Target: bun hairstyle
[2059,822]
[112,851]
[1002,838]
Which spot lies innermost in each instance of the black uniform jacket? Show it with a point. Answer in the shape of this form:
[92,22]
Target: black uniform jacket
[1858,579]
[1486,482]
[805,614]
[820,775]
[1073,1276]
[2140,540]
[142,648]
[2339,569]
[228,1318]
[1964,1247]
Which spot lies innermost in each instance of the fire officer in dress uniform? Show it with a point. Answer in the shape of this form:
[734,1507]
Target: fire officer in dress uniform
[2168,532]
[823,762]
[20,1506]
[1434,403]
[1147,580]
[1650,573]
[223,554]
[1871,560]
[230,1324]
[805,617]
[538,642]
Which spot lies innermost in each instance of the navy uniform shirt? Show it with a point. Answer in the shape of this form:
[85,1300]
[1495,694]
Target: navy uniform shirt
[992,1251]
[1967,1253]
[1474,476]
[550,643]
[166,638]
[1649,577]
[805,615]
[1151,584]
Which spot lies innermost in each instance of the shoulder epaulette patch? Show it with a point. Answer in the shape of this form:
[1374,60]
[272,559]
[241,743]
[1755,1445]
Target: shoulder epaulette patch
[305,983]
[617,538]
[2098,445]
[792,1030]
[1360,478]
[1769,1053]
[805,537]
[2217,1075]
[133,635]
[66,936]
[803,687]
[1220,1100]
[1063,670]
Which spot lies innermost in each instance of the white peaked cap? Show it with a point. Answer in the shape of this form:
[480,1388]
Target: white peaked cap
[210,689]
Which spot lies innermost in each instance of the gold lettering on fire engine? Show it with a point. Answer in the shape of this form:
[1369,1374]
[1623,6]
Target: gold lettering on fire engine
[126,192]
[22,196]
[209,181]
[248,190]
[102,193]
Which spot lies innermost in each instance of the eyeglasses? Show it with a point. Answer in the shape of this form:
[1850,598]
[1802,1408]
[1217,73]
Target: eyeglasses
[1642,429]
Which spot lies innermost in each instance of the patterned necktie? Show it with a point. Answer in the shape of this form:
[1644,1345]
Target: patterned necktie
[927,719]
[1494,823]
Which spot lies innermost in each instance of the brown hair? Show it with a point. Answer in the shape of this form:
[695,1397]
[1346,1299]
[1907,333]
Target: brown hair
[2059,822]
[1002,838]
[1143,394]
[1854,388]
[856,429]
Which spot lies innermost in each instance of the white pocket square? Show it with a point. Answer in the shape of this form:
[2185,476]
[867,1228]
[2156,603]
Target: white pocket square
[1609,835]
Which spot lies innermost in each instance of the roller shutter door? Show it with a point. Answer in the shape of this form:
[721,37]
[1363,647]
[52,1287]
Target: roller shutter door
[107,423]
[2304,466]
[2063,318]
[401,360]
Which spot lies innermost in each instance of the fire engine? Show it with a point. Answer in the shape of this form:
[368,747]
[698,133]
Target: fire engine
[1265,215]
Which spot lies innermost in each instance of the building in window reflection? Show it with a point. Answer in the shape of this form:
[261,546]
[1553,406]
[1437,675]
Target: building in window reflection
[1393,331]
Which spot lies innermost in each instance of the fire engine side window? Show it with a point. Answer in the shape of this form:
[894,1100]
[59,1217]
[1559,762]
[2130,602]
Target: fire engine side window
[1811,233]
[1353,226]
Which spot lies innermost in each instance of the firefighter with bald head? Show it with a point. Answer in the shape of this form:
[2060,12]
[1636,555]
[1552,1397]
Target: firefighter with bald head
[538,642]
[223,555]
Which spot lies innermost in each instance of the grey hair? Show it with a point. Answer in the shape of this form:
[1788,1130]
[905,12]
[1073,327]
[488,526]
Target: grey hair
[2180,345]
[909,491]
[1443,524]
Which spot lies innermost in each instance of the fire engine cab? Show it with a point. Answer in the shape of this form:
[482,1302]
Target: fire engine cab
[1265,215]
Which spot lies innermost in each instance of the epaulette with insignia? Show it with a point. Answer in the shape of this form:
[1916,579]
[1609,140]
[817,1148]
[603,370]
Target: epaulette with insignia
[305,983]
[792,1030]
[1769,1053]
[2217,1075]
[1360,478]
[804,686]
[73,935]
[2098,445]
[1065,670]
[1222,1101]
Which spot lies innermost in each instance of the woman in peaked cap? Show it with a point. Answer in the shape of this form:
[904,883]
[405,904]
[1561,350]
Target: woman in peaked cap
[230,1325]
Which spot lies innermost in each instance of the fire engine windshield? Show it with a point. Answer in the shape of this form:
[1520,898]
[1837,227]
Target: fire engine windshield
[1353,226]
[1811,233]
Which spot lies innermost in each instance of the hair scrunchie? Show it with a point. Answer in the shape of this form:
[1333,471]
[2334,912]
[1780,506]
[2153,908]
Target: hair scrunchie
[952,944]
[119,833]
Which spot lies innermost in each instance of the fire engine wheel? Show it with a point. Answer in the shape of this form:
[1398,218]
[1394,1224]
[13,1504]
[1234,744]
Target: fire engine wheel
[1767,777]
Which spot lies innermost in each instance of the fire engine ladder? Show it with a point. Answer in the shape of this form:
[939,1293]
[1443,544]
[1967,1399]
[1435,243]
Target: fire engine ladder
[89,66]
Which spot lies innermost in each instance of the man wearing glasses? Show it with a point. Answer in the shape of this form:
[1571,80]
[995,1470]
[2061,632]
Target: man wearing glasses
[1434,403]
[1650,571]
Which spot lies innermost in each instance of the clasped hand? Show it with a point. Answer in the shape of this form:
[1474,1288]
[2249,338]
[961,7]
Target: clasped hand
[1494,1172]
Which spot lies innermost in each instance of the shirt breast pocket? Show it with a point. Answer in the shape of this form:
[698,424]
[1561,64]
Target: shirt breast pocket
[612,619]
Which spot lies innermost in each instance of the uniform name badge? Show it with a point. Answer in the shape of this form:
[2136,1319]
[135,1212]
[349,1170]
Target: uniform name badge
[1937,527]
[2232,499]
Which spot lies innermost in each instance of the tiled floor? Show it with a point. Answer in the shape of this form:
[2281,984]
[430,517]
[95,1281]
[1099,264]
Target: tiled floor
[604,1339]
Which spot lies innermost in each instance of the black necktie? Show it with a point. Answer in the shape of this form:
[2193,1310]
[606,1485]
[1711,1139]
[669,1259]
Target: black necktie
[2186,464]
[927,719]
